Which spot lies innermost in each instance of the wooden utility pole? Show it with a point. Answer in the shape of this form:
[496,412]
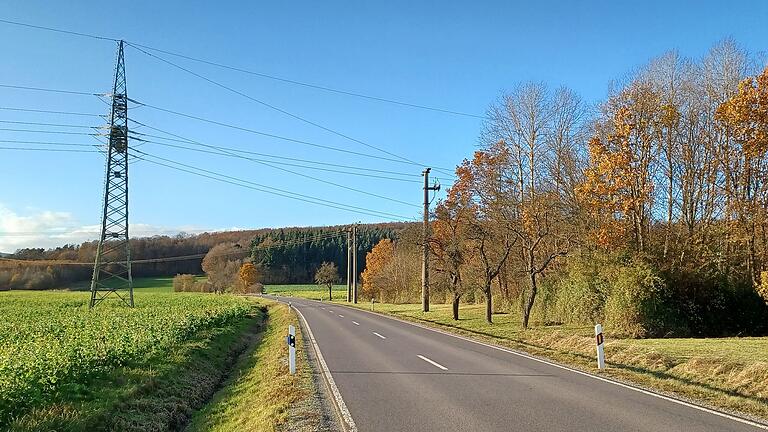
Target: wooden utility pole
[425,242]
[354,263]
[349,264]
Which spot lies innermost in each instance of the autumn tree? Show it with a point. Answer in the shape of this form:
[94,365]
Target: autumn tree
[448,243]
[745,118]
[327,274]
[483,188]
[222,265]
[536,133]
[391,272]
[249,278]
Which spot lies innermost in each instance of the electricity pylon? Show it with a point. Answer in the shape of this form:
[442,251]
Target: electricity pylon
[112,268]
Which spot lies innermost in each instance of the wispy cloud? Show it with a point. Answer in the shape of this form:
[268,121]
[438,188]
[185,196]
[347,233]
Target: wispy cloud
[48,229]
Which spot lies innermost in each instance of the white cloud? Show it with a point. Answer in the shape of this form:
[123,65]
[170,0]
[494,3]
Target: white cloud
[48,229]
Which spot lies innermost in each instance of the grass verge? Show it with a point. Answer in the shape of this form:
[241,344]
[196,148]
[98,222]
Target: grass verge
[259,394]
[730,374]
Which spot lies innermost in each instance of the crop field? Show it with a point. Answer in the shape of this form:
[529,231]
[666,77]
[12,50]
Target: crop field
[52,345]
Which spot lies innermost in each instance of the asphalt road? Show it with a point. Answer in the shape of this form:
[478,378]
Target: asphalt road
[394,376]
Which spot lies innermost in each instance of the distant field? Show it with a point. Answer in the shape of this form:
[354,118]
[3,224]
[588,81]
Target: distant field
[730,373]
[54,352]
[307,291]
[150,284]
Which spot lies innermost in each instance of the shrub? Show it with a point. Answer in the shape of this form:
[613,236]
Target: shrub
[185,283]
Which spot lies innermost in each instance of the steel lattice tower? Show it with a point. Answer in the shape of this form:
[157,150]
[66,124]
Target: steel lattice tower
[112,268]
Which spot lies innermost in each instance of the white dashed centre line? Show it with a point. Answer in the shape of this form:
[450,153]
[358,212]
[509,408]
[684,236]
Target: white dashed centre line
[383,337]
[355,323]
[341,316]
[433,363]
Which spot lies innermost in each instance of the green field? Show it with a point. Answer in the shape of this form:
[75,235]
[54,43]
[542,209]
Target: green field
[149,284]
[307,291]
[729,373]
[53,350]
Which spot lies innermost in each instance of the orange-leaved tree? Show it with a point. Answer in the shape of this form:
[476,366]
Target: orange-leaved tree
[449,242]
[376,261]
[744,117]
[249,277]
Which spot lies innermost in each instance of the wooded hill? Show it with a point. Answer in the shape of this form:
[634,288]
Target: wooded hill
[53,268]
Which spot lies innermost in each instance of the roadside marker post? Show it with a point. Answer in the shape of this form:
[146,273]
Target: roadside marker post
[600,342]
[373,302]
[291,339]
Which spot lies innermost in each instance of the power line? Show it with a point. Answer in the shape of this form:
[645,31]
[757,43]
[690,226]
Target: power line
[266,163]
[366,169]
[398,159]
[53,150]
[309,85]
[47,124]
[92,36]
[51,112]
[268,189]
[270,135]
[259,74]
[45,131]
[273,107]
[283,163]
[18,87]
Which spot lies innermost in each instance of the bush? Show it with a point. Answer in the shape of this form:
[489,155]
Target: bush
[185,283]
[581,292]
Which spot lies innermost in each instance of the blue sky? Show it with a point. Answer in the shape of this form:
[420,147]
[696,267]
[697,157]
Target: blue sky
[453,55]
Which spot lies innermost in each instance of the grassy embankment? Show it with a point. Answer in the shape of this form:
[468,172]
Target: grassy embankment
[260,391]
[114,368]
[728,373]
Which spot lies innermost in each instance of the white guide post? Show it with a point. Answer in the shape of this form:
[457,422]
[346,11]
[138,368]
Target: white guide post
[292,349]
[600,342]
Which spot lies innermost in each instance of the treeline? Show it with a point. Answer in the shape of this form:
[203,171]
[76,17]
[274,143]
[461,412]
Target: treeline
[51,270]
[649,214]
[37,268]
[293,255]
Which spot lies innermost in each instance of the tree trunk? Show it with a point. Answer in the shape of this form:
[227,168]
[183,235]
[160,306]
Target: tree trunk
[488,304]
[529,302]
[456,307]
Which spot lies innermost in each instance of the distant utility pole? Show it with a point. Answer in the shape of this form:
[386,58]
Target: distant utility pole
[349,264]
[354,263]
[425,240]
[112,268]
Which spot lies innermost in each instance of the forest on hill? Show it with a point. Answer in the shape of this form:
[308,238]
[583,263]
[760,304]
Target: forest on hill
[36,268]
[288,256]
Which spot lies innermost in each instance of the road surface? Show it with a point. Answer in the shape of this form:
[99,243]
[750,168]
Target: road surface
[394,376]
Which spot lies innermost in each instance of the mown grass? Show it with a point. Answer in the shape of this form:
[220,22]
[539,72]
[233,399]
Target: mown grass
[260,392]
[727,373]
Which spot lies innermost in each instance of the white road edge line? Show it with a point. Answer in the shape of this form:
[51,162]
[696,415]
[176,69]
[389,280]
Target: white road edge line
[586,374]
[432,362]
[383,337]
[355,323]
[346,417]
